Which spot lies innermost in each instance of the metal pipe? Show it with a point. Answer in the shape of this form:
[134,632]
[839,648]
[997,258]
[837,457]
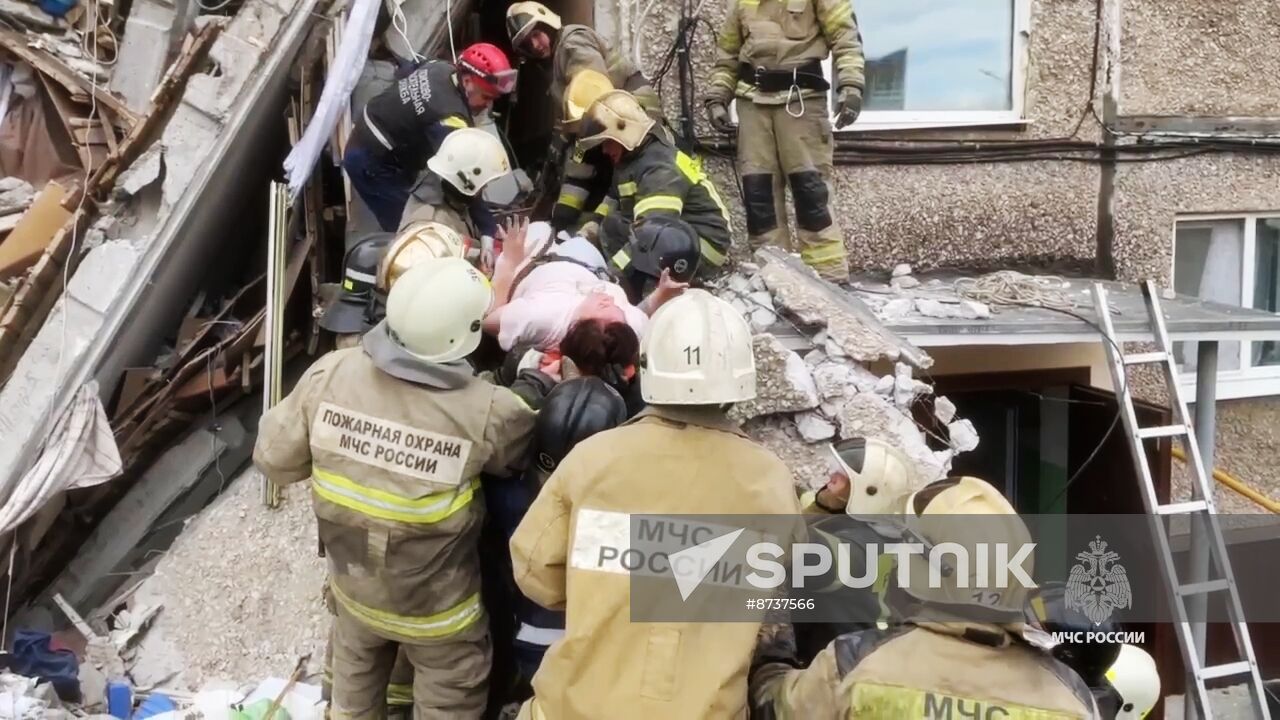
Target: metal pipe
[1235,484]
[1198,562]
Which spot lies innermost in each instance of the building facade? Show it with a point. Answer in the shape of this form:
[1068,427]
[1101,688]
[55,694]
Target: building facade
[1119,138]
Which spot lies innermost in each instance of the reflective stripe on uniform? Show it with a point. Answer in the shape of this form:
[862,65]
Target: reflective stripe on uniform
[603,209]
[399,694]
[710,253]
[621,260]
[374,131]
[893,701]
[538,636]
[572,196]
[826,252]
[748,3]
[454,121]
[691,168]
[627,189]
[383,505]
[836,17]
[442,624]
[659,202]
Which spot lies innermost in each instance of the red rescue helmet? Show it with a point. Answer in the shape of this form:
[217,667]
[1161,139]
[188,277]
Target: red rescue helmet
[490,65]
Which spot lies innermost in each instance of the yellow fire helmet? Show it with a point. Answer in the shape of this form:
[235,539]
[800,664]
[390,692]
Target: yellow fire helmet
[584,89]
[618,116]
[418,242]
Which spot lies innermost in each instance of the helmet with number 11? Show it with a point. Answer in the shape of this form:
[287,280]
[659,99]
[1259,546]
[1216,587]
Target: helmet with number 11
[697,351]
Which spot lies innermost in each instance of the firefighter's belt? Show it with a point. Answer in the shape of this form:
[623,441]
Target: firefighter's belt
[806,77]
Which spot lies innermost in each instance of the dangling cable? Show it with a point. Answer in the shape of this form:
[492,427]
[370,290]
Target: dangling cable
[401,24]
[448,18]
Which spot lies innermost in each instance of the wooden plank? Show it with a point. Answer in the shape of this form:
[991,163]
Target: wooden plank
[53,67]
[66,115]
[34,231]
[28,308]
[141,133]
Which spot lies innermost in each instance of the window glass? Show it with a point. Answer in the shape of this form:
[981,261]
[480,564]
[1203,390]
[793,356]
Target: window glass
[1208,263]
[931,55]
[1266,283]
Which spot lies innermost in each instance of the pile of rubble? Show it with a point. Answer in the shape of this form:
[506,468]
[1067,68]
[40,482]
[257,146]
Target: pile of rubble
[827,369]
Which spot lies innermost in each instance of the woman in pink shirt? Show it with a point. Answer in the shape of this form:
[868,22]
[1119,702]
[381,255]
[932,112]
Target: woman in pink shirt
[567,304]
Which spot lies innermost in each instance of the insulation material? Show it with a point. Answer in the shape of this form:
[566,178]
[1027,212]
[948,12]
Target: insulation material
[342,78]
[81,452]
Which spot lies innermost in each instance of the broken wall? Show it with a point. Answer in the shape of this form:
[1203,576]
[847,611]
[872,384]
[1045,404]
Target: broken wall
[1184,57]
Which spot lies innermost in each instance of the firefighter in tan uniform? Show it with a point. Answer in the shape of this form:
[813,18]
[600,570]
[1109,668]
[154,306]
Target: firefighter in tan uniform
[393,437]
[952,657]
[375,263]
[769,57]
[469,159]
[538,34]
[681,455]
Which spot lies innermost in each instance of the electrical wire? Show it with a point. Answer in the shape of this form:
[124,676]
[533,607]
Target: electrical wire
[401,25]
[448,15]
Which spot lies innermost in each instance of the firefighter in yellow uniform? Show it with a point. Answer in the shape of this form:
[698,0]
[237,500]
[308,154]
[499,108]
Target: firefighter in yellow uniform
[953,656]
[393,436]
[769,57]
[679,456]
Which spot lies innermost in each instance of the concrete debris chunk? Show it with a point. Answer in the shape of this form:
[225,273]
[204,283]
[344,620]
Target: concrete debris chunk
[814,428]
[944,409]
[965,309]
[903,386]
[885,385]
[906,282]
[872,415]
[897,309]
[15,194]
[783,382]
[739,284]
[901,270]
[963,435]
[807,462]
[815,357]
[833,380]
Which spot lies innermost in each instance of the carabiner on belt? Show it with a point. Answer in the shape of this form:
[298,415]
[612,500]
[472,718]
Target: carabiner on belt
[795,92]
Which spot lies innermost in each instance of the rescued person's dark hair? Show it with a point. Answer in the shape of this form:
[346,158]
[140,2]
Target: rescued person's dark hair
[601,349]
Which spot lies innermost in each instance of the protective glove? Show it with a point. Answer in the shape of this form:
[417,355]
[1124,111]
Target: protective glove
[718,116]
[848,106]
[590,231]
[488,254]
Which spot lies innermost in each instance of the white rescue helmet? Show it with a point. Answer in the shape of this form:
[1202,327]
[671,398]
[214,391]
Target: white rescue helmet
[420,241]
[941,512]
[1135,677]
[523,17]
[697,351]
[880,475]
[469,159]
[434,310]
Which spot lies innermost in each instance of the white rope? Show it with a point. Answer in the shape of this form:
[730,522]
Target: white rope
[1009,287]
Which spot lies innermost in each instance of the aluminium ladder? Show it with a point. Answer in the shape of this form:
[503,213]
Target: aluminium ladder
[1202,505]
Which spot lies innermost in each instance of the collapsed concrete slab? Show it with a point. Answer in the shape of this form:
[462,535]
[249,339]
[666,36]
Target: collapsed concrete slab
[814,373]
[214,134]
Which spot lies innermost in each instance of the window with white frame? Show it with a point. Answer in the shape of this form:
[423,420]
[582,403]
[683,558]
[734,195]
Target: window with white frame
[1234,261]
[937,63]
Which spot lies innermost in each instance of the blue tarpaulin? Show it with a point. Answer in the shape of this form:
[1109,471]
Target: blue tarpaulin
[33,656]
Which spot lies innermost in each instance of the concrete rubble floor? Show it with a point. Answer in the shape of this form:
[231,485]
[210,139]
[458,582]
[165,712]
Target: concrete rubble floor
[240,592]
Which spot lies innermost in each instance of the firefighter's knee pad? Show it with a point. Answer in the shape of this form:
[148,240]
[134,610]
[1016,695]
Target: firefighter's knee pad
[810,191]
[757,193]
